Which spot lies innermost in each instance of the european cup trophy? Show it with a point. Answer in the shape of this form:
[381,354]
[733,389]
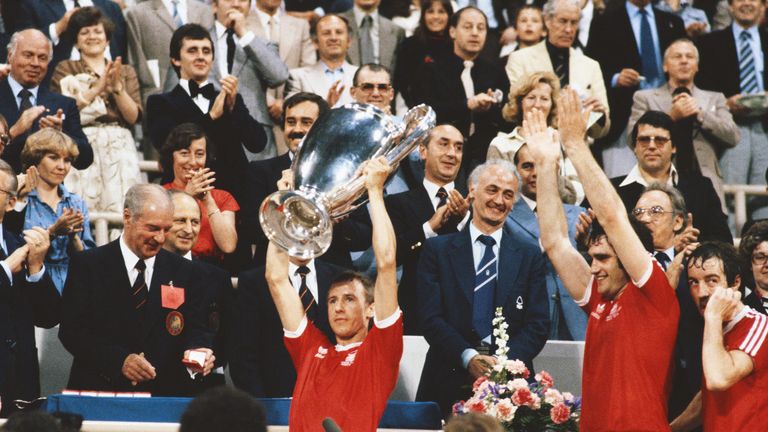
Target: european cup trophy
[327,179]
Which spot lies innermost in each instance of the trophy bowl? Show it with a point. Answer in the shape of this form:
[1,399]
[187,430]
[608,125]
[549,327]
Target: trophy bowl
[327,180]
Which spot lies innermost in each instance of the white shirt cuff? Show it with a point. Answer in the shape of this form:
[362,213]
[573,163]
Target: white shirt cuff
[246,39]
[299,331]
[20,205]
[388,321]
[428,233]
[54,35]
[467,355]
[615,80]
[460,226]
[37,276]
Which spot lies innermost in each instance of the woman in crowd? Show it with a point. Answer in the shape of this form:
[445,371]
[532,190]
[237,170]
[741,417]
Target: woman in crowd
[429,40]
[540,91]
[47,156]
[529,26]
[186,154]
[754,253]
[107,94]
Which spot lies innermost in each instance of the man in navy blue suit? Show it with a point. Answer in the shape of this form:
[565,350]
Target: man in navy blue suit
[52,18]
[28,106]
[464,276]
[28,298]
[567,320]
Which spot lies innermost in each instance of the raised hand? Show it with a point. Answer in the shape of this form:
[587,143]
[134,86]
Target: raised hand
[27,182]
[542,143]
[689,235]
[334,93]
[26,120]
[200,183]
[53,121]
[572,121]
[722,304]
[229,87]
[70,222]
[376,172]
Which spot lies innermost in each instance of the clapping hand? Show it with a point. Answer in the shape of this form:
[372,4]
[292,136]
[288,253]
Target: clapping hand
[70,222]
[114,74]
[200,182]
[53,121]
[27,182]
[229,88]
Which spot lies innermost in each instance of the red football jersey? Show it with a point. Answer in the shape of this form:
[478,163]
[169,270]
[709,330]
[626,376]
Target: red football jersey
[743,406]
[628,355]
[349,384]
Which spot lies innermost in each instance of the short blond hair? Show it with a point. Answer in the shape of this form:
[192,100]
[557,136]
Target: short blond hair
[44,141]
[513,110]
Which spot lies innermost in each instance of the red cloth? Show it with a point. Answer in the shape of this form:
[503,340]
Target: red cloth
[350,386]
[742,407]
[628,356]
[206,246]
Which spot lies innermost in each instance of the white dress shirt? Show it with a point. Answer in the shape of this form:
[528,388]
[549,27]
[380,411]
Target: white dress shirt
[199,100]
[16,88]
[311,279]
[130,259]
[634,176]
[432,192]
[221,45]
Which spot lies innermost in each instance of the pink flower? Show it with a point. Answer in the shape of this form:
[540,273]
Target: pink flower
[560,413]
[517,383]
[505,410]
[545,379]
[516,367]
[475,406]
[522,396]
[479,381]
[553,397]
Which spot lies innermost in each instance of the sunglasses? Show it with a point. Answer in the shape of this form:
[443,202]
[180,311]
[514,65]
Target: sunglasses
[645,140]
[368,87]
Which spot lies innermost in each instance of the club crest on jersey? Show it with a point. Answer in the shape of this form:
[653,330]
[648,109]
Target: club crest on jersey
[614,313]
[350,359]
[598,312]
[321,352]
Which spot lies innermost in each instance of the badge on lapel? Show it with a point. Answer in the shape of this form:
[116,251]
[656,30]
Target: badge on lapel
[519,303]
[174,323]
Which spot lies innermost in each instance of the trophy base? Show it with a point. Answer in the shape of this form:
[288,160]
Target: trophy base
[297,223]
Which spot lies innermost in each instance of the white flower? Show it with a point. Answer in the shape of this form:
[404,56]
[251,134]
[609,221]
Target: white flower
[517,383]
[505,410]
[516,367]
[553,397]
[568,397]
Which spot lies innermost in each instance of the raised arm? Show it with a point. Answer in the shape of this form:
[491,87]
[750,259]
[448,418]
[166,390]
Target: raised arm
[722,368]
[286,298]
[384,244]
[553,225]
[605,201]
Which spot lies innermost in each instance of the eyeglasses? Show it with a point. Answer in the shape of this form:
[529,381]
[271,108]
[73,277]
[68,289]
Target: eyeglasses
[368,87]
[645,140]
[653,212]
[759,259]
[5,139]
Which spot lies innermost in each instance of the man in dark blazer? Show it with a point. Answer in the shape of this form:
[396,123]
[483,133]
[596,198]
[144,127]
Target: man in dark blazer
[722,53]
[473,109]
[28,298]
[222,115]
[567,320]
[464,276]
[299,114]
[218,291]
[654,164]
[132,312]
[437,206]
[28,57]
[615,42]
[259,362]
[52,18]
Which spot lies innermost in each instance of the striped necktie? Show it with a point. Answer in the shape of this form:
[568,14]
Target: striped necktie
[307,299]
[139,291]
[747,74]
[485,289]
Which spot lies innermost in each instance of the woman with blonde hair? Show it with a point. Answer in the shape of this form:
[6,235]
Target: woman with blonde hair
[540,91]
[47,156]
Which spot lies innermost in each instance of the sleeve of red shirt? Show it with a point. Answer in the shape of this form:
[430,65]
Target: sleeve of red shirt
[387,343]
[658,290]
[303,347]
[594,296]
[749,336]
[225,200]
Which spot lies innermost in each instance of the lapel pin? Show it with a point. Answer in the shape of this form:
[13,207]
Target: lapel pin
[519,303]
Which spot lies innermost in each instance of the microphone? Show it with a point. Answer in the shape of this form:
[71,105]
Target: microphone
[330,426]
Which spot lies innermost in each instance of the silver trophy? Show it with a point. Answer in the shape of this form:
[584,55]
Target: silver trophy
[327,179]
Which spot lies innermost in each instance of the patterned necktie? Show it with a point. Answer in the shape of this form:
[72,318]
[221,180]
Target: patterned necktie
[366,41]
[485,289]
[560,70]
[230,49]
[469,87]
[747,74]
[177,22]
[26,100]
[663,259]
[442,196]
[139,291]
[650,65]
[307,299]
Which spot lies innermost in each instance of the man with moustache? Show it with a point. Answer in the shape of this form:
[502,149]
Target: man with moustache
[132,312]
[734,353]
[218,294]
[252,59]
[464,276]
[437,206]
[223,115]
[28,106]
[633,313]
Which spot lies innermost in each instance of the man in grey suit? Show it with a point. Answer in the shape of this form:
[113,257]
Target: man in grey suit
[375,38]
[253,60]
[150,27]
[295,47]
[702,117]
[567,320]
[332,76]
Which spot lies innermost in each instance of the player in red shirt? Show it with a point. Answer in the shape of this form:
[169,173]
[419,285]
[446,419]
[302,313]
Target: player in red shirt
[633,312]
[351,381]
[735,351]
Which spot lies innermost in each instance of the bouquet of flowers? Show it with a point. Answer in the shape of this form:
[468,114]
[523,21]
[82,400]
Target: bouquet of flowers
[506,394]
